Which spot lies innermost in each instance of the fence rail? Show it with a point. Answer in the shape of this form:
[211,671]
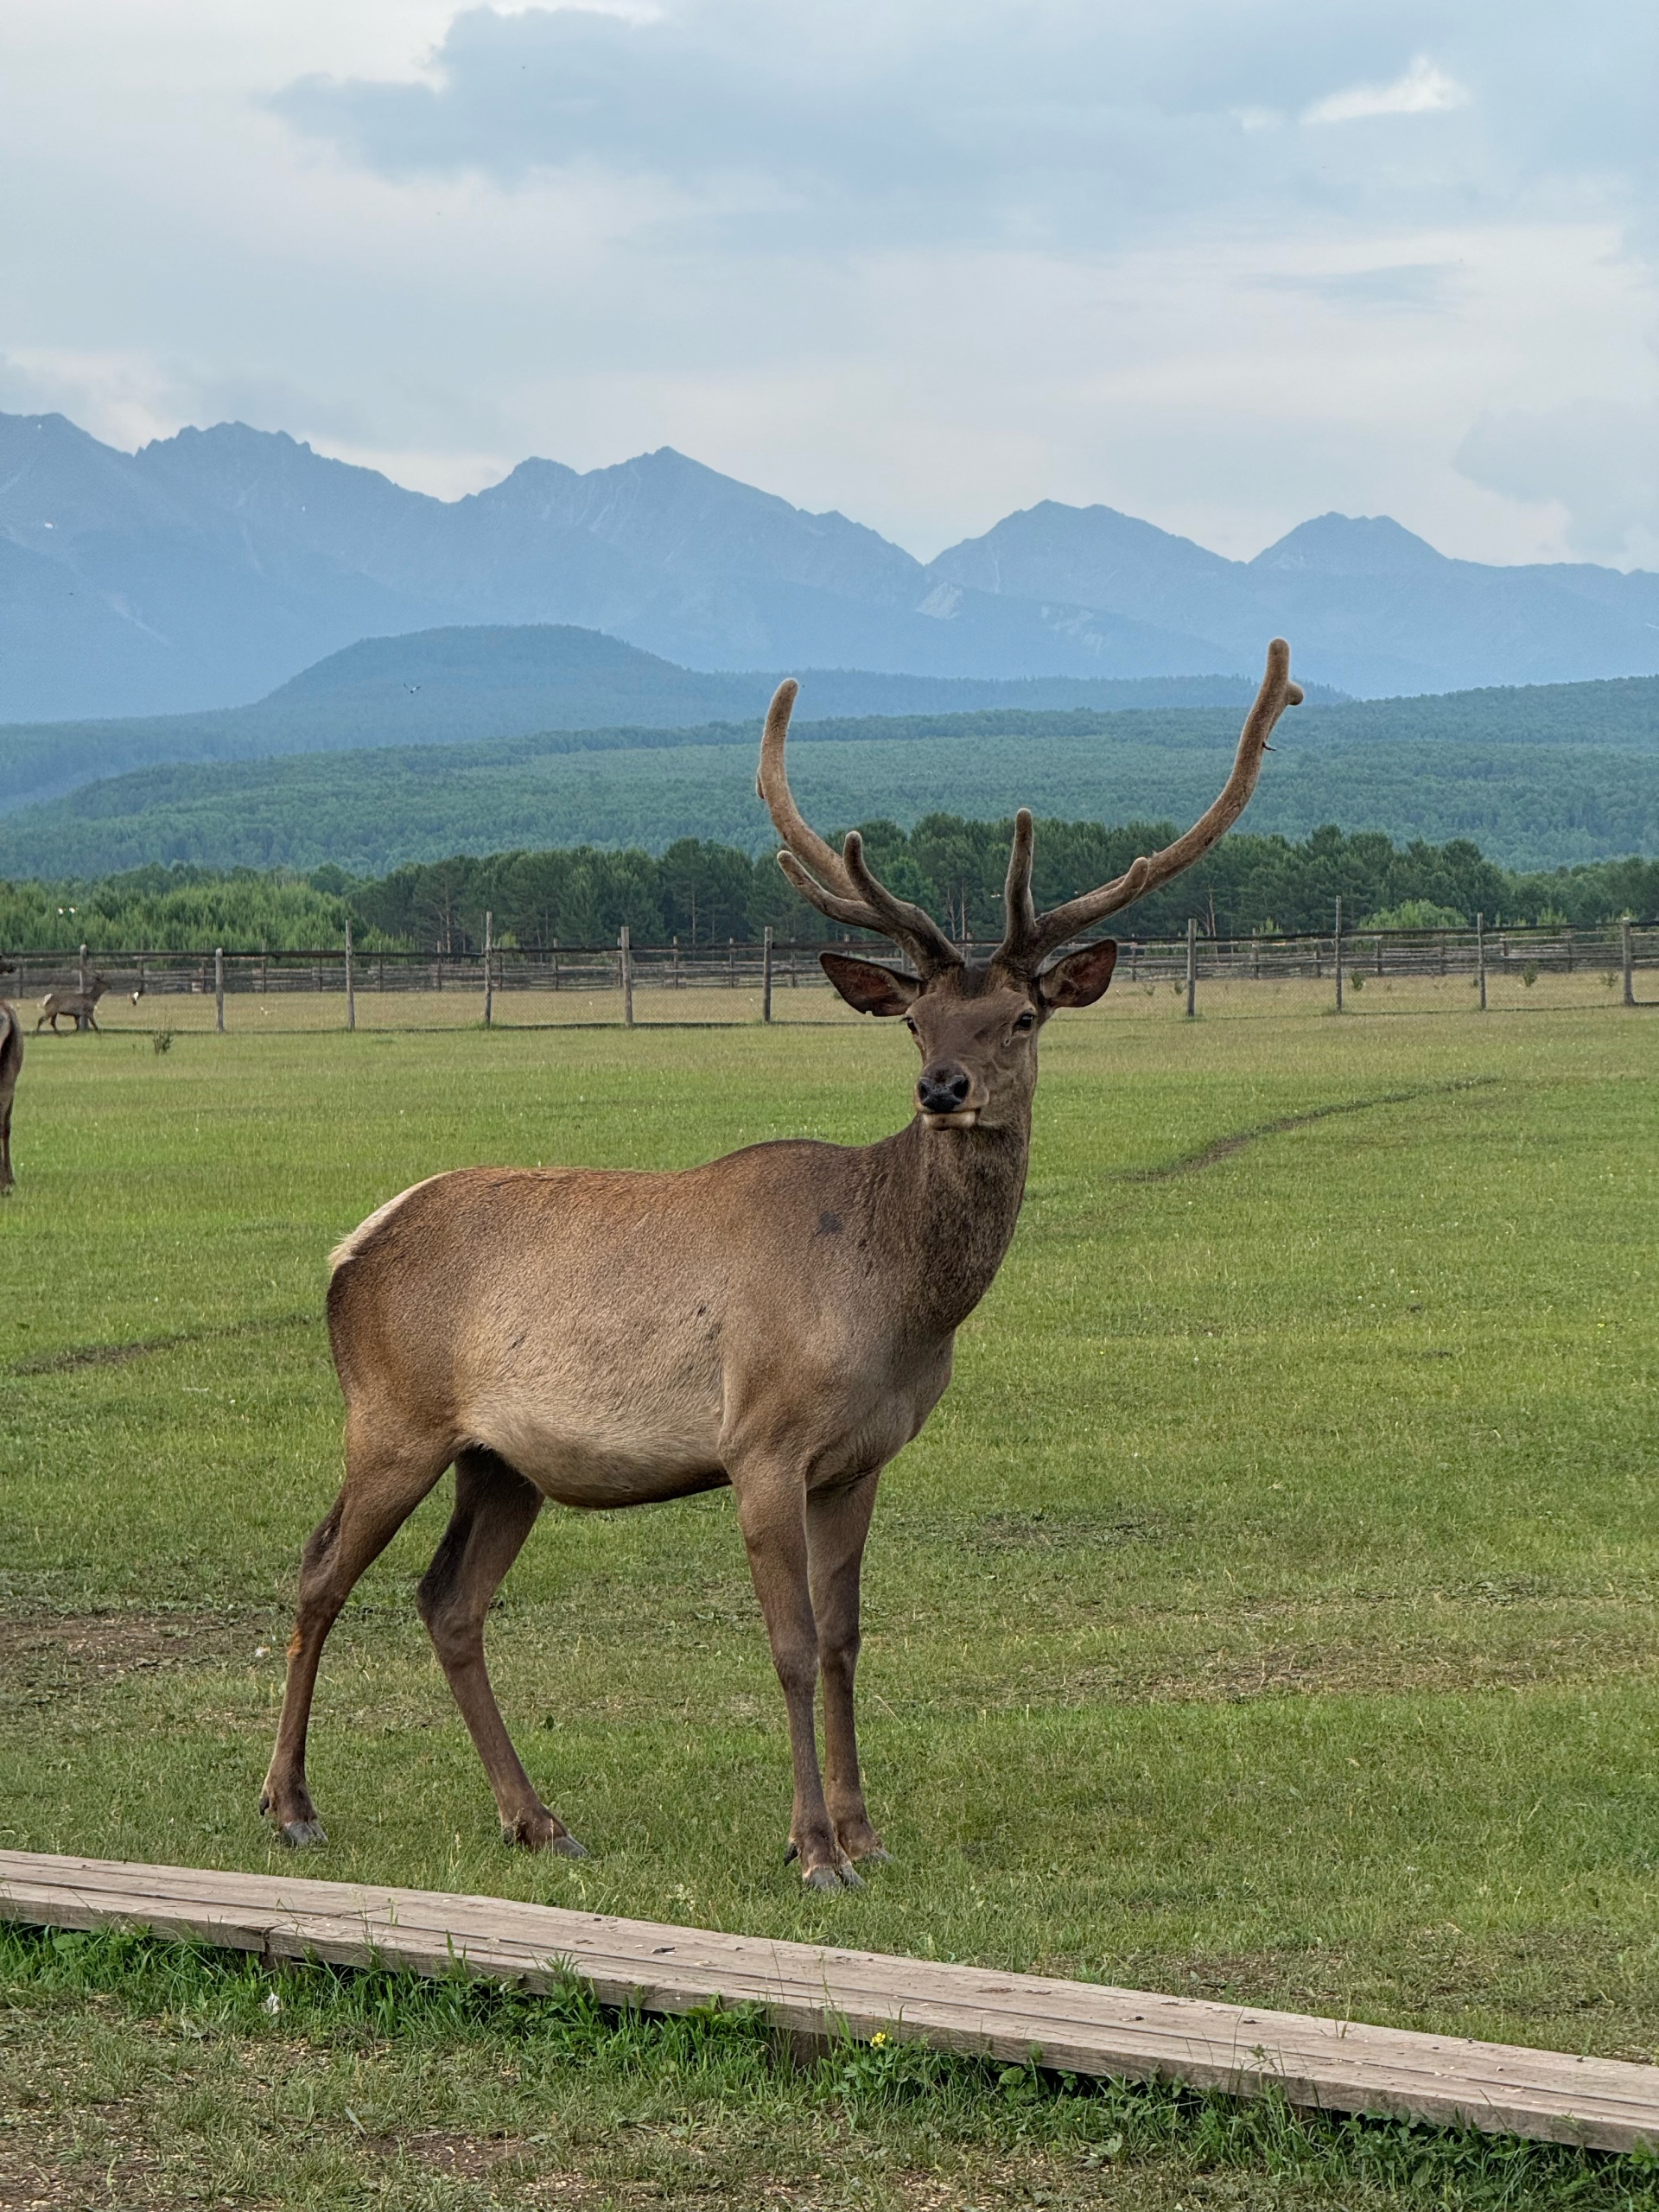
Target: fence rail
[623,968]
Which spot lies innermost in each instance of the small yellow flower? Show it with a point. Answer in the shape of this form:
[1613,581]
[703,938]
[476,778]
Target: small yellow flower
[877,2039]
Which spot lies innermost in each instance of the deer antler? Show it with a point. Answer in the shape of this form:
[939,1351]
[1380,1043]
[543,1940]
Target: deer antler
[839,884]
[1030,937]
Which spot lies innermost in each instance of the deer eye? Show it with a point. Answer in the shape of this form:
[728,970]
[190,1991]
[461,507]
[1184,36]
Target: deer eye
[910,1025]
[1024,1022]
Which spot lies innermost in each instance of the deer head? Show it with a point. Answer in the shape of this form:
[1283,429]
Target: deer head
[977,1023]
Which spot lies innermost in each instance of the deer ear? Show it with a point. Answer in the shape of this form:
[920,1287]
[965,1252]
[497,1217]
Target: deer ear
[1080,978]
[868,987]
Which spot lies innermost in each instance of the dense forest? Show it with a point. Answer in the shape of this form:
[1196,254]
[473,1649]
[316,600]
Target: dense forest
[1526,807]
[1537,778]
[705,893]
[580,691]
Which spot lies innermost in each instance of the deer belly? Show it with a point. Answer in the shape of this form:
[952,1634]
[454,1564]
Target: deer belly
[600,1456]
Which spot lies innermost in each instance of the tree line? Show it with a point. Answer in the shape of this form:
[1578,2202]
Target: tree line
[704,893]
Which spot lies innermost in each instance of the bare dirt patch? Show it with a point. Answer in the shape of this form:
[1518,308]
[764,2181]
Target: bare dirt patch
[33,2179]
[45,1656]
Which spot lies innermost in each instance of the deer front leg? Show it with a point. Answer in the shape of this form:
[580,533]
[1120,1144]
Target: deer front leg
[772,1513]
[837,1523]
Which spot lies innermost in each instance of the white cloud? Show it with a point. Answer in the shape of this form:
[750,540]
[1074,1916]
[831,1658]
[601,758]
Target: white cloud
[1423,89]
[918,260]
[1594,462]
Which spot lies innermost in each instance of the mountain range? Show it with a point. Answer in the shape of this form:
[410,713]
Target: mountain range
[210,567]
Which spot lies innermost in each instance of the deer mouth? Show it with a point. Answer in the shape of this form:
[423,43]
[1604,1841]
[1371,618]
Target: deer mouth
[965,1118]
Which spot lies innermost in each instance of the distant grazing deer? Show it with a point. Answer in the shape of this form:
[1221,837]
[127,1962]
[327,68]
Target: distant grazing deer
[78,1004]
[11,1061]
[780,1320]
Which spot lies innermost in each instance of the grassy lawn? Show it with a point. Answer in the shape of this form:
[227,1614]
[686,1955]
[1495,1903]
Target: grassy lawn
[1269,1610]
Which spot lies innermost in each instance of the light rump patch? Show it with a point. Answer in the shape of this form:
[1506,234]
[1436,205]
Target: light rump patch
[349,1246]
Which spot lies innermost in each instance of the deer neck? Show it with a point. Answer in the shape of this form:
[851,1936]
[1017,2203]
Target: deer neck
[947,1202]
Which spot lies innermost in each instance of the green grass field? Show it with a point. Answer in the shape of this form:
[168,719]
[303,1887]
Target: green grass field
[1268,1612]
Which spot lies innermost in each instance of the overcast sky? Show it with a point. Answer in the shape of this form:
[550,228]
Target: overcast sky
[1223,263]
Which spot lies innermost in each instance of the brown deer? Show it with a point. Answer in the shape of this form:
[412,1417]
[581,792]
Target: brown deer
[11,1063]
[78,1004]
[780,1320]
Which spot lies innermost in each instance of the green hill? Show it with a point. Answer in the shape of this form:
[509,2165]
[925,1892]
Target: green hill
[1538,780]
[441,687]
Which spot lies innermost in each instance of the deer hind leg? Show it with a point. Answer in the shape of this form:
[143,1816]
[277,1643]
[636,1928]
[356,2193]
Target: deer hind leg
[771,1511]
[387,1475]
[837,1523]
[495,1510]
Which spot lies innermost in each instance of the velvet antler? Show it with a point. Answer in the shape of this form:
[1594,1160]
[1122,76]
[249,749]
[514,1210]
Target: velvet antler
[839,884]
[1031,936]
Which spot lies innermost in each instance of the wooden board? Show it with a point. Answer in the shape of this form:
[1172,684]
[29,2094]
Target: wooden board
[1079,2027]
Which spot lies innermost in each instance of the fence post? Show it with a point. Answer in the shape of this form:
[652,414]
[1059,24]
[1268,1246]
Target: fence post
[1192,966]
[731,963]
[626,964]
[489,954]
[1627,954]
[82,985]
[1337,948]
[219,989]
[1480,956]
[351,983]
[766,975]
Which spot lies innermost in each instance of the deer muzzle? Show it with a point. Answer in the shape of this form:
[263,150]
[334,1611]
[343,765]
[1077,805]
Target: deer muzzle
[944,1093]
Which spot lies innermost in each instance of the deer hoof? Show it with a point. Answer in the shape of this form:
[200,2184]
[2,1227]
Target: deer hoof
[844,1876]
[301,1835]
[542,1833]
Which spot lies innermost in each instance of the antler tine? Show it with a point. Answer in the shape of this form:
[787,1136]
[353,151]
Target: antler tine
[772,784]
[1053,928]
[907,924]
[840,885]
[1016,891]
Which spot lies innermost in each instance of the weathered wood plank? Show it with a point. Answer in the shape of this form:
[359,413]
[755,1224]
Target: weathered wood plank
[1080,2027]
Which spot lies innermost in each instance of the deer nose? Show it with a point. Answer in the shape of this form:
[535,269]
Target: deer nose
[942,1088]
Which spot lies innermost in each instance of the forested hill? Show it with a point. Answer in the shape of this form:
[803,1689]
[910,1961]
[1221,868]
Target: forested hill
[1537,778]
[442,687]
[705,894]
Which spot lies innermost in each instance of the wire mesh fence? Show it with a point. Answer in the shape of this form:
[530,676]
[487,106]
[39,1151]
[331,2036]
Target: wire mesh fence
[738,983]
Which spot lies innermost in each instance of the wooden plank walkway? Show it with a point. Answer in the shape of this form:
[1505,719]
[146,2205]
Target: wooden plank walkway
[1079,2027]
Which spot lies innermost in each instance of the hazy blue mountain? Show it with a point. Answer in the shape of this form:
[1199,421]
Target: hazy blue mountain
[1368,606]
[120,593]
[209,567]
[430,687]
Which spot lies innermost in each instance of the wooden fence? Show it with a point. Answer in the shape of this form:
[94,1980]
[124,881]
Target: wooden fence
[493,978]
